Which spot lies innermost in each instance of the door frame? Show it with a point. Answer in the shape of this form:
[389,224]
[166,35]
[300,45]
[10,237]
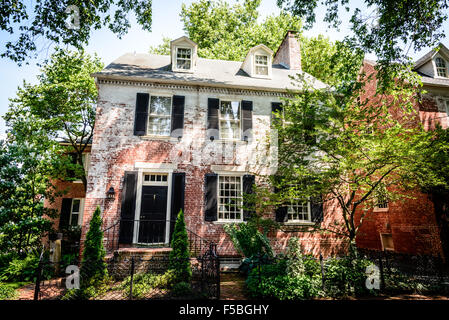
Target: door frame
[153,168]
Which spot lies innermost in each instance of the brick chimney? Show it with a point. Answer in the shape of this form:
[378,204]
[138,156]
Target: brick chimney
[289,54]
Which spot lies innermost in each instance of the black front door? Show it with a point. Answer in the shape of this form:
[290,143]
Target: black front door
[153,214]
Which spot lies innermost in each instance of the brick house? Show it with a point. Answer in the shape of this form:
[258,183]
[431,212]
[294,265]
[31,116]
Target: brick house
[417,225]
[181,132]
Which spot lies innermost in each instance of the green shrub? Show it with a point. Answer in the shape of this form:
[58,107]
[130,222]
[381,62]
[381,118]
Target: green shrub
[93,267]
[182,289]
[7,292]
[346,276]
[248,240]
[252,262]
[274,283]
[21,269]
[180,255]
[144,283]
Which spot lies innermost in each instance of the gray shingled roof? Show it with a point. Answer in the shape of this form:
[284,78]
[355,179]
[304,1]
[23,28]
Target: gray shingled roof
[208,72]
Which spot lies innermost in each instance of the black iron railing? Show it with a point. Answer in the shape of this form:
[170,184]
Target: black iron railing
[149,233]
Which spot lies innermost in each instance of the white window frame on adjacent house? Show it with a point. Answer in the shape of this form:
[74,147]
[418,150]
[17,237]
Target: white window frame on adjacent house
[86,164]
[292,209]
[79,213]
[443,69]
[221,212]
[183,59]
[159,116]
[221,119]
[258,64]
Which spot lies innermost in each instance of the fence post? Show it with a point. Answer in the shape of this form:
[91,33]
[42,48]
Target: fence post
[218,275]
[382,277]
[260,277]
[322,271]
[38,280]
[132,279]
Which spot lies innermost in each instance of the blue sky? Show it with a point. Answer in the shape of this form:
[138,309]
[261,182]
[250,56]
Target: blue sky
[166,22]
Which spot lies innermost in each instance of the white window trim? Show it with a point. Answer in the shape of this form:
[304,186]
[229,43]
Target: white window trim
[220,119]
[446,62]
[175,66]
[382,242]
[80,213]
[140,183]
[225,221]
[262,65]
[159,136]
[302,222]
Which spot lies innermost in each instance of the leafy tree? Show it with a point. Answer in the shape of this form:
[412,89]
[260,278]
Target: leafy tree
[180,255]
[48,22]
[93,266]
[162,49]
[385,28]
[346,146]
[23,186]
[60,107]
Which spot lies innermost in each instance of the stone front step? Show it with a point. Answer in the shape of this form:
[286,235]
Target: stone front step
[138,253]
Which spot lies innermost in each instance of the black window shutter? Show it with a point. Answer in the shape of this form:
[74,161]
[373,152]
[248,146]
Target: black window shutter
[177,116]
[248,182]
[128,207]
[275,107]
[177,197]
[212,118]
[141,117]
[64,217]
[316,208]
[247,120]
[211,180]
[281,211]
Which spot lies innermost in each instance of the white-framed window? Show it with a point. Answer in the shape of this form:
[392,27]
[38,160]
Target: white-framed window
[441,66]
[381,200]
[261,64]
[76,212]
[230,115]
[183,58]
[230,198]
[159,116]
[299,211]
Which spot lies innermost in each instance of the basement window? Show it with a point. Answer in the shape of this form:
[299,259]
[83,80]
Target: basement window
[386,240]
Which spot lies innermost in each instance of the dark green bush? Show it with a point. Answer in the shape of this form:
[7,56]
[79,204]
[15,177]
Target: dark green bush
[182,289]
[180,255]
[144,283]
[93,265]
[21,269]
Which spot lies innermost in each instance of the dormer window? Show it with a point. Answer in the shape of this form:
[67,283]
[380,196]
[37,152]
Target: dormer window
[184,58]
[441,66]
[261,65]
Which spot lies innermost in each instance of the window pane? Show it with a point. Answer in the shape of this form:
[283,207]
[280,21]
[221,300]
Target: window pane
[298,211]
[230,110]
[261,60]
[183,64]
[159,126]
[229,130]
[262,70]
[76,205]
[160,105]
[184,53]
[74,221]
[230,198]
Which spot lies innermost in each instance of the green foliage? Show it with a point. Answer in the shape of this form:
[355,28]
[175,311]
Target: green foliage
[21,269]
[61,106]
[182,289]
[93,267]
[7,292]
[144,283]
[346,276]
[384,28]
[180,255]
[248,240]
[48,22]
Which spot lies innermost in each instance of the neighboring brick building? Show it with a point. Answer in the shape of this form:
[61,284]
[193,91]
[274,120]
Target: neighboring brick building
[413,225]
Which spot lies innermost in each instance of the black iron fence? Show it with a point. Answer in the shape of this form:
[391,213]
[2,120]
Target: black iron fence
[396,273]
[130,279]
[150,232]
